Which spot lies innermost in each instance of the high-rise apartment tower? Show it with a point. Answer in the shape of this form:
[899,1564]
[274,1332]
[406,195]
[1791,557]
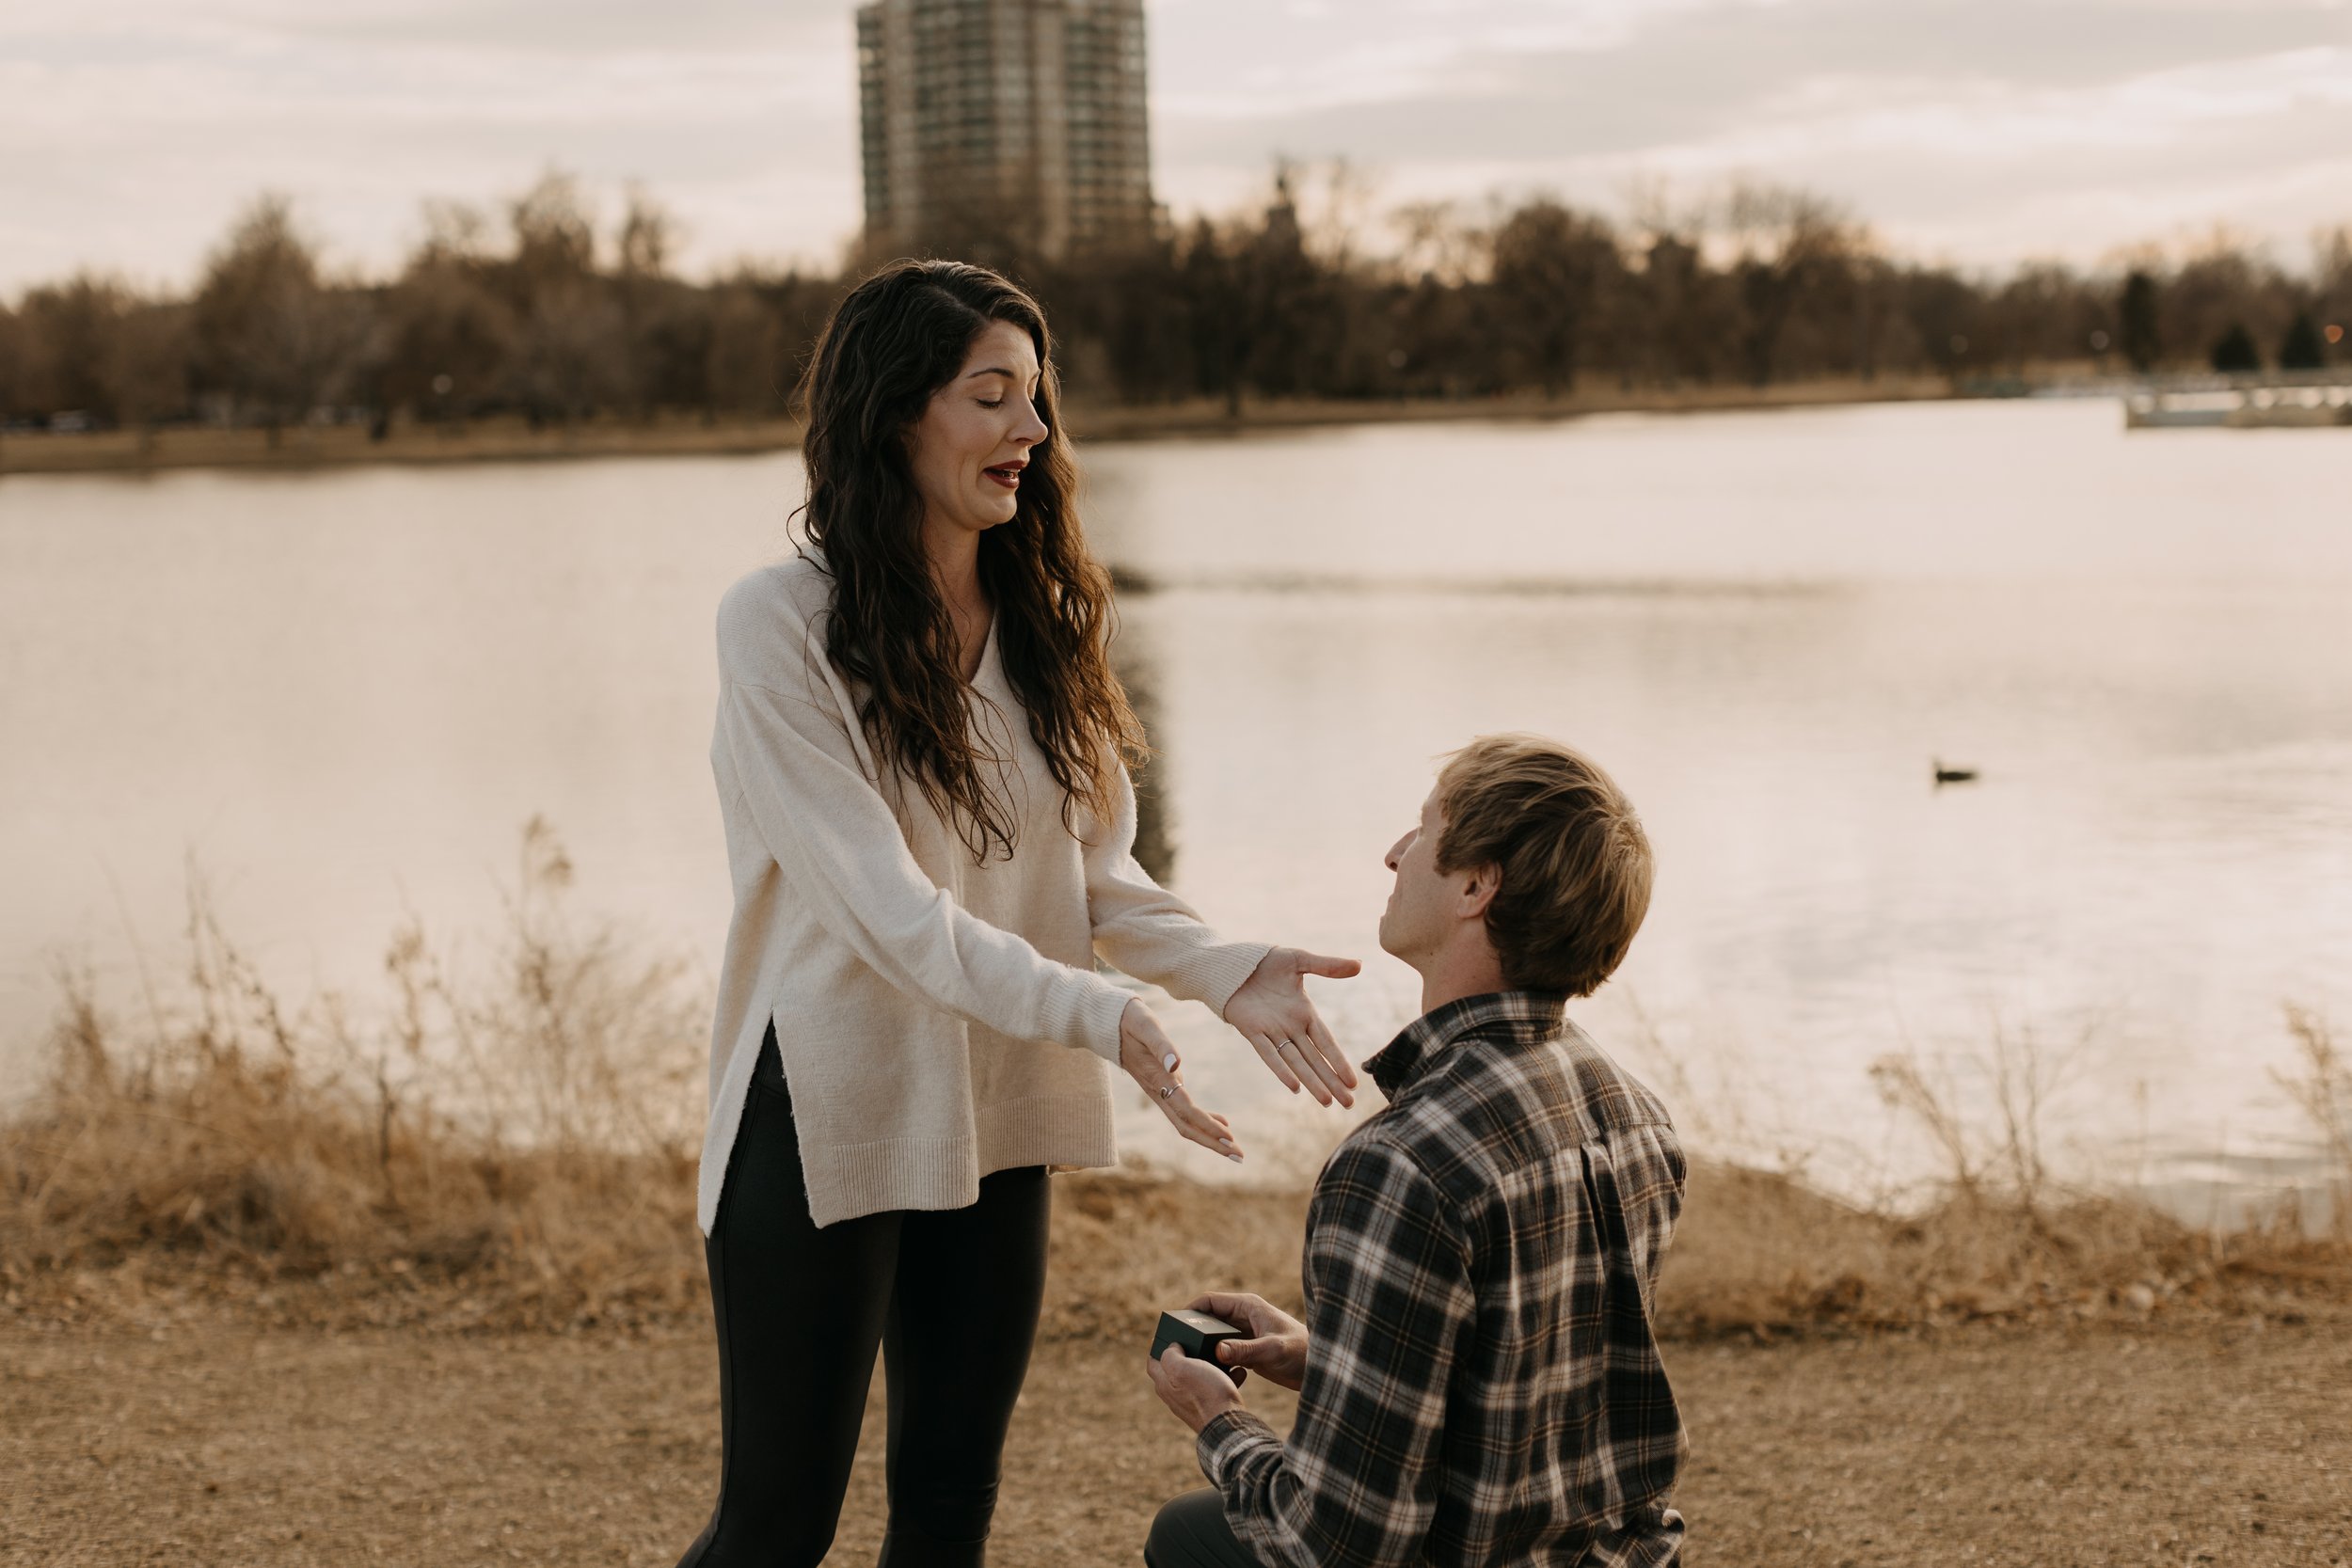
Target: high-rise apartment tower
[1004,119]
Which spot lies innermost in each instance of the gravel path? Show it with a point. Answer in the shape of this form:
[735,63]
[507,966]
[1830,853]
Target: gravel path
[225,1444]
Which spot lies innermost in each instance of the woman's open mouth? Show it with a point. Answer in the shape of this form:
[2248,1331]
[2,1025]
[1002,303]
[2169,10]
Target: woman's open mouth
[1007,474]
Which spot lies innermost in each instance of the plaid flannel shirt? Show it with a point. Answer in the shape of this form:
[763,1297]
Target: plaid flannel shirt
[1482,1385]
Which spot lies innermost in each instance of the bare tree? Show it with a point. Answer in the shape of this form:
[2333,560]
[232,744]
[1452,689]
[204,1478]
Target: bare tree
[447,333]
[745,366]
[2139,324]
[554,238]
[1439,241]
[2331,277]
[1335,210]
[68,331]
[1554,271]
[1791,246]
[146,369]
[570,354]
[668,322]
[267,334]
[537,309]
[1209,286]
[648,236]
[15,393]
[455,233]
[570,351]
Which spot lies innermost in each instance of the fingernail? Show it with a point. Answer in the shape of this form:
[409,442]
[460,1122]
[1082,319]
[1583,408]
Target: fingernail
[1168,1061]
[1227,1142]
[1235,1158]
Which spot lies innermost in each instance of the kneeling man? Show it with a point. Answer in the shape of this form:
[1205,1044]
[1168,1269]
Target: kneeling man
[1479,1382]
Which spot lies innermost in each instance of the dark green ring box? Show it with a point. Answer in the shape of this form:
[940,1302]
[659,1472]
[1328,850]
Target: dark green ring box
[1199,1335]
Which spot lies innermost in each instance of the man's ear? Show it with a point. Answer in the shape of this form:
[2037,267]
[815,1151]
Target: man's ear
[1478,892]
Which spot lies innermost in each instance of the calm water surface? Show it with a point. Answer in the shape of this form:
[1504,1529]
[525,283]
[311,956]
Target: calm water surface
[340,694]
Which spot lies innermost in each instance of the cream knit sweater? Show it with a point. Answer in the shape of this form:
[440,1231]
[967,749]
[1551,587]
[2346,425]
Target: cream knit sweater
[938,1020]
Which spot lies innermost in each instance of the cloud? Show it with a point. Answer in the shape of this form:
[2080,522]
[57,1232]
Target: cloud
[1727,66]
[134,135]
[536,27]
[1947,122]
[134,129]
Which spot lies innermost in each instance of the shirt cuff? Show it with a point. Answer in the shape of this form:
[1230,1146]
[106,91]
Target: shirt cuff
[1213,976]
[1229,1435]
[1106,1006]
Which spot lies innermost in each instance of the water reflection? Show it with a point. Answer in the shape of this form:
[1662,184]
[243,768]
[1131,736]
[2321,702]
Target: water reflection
[343,692]
[1155,843]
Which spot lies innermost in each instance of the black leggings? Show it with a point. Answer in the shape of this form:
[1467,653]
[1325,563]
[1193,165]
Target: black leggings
[951,1297]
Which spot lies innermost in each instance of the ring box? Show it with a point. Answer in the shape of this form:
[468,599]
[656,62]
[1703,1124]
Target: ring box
[1197,1335]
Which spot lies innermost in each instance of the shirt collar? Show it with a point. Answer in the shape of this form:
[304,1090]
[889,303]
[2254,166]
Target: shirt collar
[1505,1018]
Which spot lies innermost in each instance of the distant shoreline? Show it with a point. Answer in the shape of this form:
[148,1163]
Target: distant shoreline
[513,440]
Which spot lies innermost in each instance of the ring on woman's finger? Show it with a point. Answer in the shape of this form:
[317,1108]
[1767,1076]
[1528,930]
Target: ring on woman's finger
[1167,1091]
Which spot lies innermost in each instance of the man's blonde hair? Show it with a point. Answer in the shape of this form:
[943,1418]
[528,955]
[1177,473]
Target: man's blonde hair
[1574,860]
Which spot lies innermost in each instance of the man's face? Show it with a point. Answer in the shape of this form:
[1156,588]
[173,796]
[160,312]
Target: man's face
[1419,919]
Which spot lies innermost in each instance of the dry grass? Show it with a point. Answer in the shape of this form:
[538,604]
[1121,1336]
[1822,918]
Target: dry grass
[1998,1237]
[513,1149]
[1762,1254]
[2322,1089]
[508,1150]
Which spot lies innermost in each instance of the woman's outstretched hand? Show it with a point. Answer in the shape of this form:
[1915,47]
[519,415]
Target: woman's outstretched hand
[1273,1014]
[1150,1058]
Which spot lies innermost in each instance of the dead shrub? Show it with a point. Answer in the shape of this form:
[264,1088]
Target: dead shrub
[513,1147]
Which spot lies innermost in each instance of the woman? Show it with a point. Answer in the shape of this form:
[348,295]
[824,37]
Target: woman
[919,759]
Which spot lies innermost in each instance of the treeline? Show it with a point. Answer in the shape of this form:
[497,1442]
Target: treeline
[541,317]
[544,316]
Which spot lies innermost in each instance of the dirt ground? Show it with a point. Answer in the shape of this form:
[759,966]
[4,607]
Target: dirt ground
[229,1445]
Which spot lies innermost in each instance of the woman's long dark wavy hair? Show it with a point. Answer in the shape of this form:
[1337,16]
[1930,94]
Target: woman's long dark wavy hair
[897,338]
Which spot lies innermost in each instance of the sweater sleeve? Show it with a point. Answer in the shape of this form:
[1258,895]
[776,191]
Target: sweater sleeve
[835,841]
[1149,932]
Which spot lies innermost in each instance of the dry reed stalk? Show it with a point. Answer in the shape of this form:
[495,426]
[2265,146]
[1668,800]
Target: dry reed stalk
[514,1150]
[2322,1089]
[514,1147]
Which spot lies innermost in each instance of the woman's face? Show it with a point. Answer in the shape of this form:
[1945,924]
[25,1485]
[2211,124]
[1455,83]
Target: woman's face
[973,441]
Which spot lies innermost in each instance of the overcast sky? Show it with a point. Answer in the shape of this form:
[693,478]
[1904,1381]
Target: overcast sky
[1980,130]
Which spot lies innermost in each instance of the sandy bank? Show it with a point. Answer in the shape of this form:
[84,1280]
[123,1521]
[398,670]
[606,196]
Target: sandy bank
[217,1443]
[191,1407]
[259,1308]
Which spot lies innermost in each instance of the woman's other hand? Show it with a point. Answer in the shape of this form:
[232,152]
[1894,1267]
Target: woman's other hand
[1150,1058]
[1273,1014]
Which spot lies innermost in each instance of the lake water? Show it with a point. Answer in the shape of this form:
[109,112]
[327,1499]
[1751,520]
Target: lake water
[341,694]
